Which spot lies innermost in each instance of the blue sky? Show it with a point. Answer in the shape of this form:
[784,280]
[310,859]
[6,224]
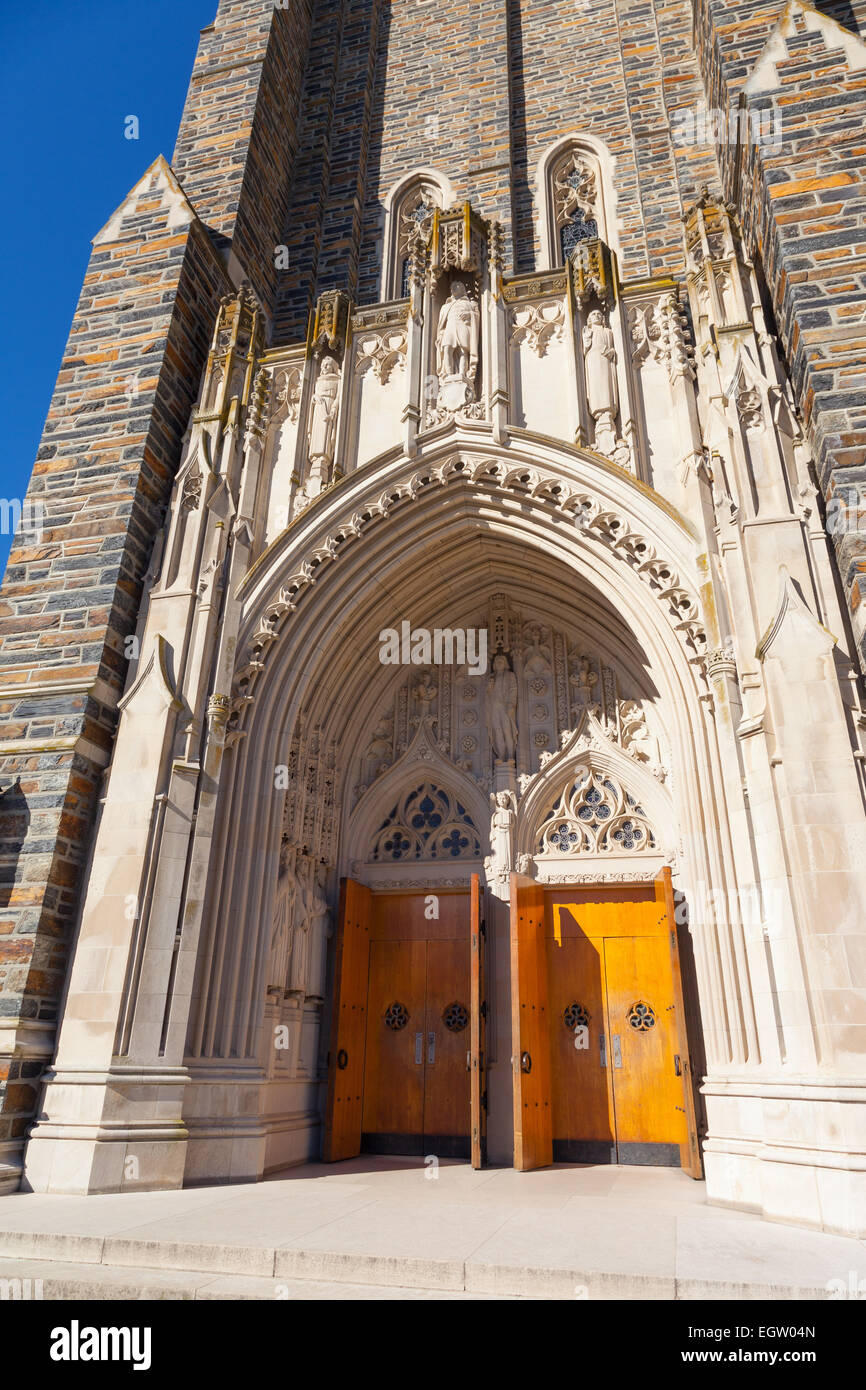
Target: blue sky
[69,75]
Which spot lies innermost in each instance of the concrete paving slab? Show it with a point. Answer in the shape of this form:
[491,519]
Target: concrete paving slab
[566,1232]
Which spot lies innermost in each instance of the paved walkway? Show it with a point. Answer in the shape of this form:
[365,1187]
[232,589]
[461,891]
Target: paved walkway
[384,1228]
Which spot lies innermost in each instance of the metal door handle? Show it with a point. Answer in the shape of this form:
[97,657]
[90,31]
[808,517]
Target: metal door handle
[678,1068]
[431,1048]
[617,1050]
[601,1050]
[525,1062]
[419,1049]
[342,1059]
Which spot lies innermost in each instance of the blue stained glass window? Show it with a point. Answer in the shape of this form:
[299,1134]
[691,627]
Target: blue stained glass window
[577,229]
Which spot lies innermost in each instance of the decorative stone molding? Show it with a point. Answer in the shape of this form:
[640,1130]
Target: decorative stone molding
[519,287]
[537,322]
[381,351]
[459,242]
[330,323]
[526,483]
[288,384]
[593,274]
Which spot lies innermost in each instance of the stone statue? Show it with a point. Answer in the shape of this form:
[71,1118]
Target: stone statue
[457,336]
[599,358]
[502,709]
[300,950]
[326,406]
[501,861]
[284,911]
[320,934]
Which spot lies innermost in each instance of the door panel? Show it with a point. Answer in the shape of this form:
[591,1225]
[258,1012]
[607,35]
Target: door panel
[348,1023]
[446,1043]
[648,1111]
[690,1152]
[396,1048]
[478,1027]
[583,1117]
[530,1028]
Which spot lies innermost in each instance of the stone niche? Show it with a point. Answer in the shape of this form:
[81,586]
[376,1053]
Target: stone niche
[456,282]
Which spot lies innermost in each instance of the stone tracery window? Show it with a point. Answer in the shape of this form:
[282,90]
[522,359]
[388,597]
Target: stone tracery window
[575,200]
[595,815]
[426,824]
[412,217]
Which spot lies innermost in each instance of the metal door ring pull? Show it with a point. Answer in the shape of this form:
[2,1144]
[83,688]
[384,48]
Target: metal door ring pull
[342,1059]
[525,1062]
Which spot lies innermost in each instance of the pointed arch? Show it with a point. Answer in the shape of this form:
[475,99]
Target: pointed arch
[406,211]
[575,197]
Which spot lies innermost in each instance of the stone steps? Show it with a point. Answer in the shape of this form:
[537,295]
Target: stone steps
[122,1267]
[65,1280]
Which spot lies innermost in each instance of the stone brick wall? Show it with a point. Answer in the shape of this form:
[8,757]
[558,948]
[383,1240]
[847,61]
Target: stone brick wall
[103,473]
[240,128]
[480,92]
[803,210]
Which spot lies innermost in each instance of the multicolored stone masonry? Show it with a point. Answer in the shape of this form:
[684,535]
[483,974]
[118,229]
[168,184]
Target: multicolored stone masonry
[301,119]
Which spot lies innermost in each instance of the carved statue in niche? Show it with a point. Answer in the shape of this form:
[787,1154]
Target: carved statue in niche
[582,683]
[320,932]
[502,709]
[457,337]
[284,911]
[300,947]
[501,859]
[326,405]
[536,660]
[599,357]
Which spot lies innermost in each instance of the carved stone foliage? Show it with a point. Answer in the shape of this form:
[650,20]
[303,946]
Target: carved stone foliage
[380,352]
[595,814]
[537,323]
[574,186]
[459,242]
[660,334]
[427,825]
[288,383]
[309,813]
[416,219]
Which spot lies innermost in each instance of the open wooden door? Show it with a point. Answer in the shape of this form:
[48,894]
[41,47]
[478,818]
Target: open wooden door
[690,1153]
[530,1028]
[477,1025]
[348,1024]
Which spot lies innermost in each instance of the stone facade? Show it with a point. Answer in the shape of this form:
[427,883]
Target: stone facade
[423,324]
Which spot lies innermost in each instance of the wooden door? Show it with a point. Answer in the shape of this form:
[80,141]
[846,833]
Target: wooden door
[446,1043]
[650,1122]
[582,1094]
[478,1026]
[393,1112]
[348,1023]
[530,1033]
[690,1151]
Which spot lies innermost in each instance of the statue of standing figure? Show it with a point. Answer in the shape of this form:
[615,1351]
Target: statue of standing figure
[326,405]
[599,357]
[502,709]
[320,934]
[304,905]
[457,336]
[501,860]
[284,911]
